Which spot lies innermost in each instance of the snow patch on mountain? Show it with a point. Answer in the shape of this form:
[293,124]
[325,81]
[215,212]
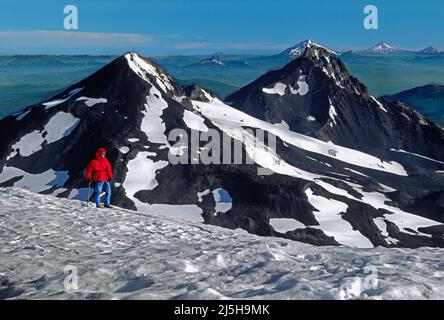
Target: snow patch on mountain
[405,221]
[221,197]
[284,225]
[22,114]
[152,123]
[279,88]
[401,219]
[134,181]
[417,155]
[303,87]
[59,126]
[90,102]
[201,194]
[28,144]
[56,102]
[311,118]
[357,172]
[194,121]
[35,182]
[223,200]
[332,113]
[379,104]
[328,214]
[382,225]
[378,200]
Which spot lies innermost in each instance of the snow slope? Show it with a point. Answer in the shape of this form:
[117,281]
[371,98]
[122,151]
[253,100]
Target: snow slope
[230,119]
[120,254]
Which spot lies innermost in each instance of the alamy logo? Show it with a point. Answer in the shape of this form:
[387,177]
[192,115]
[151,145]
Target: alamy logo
[359,287]
[371,20]
[371,279]
[242,146]
[71,281]
[71,21]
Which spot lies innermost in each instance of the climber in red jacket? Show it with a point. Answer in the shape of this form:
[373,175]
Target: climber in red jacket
[99,171]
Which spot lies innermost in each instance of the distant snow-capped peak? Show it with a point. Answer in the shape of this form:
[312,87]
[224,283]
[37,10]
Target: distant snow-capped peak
[430,50]
[382,47]
[214,59]
[298,49]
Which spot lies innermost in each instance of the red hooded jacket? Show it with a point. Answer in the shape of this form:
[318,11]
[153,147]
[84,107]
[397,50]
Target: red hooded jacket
[99,169]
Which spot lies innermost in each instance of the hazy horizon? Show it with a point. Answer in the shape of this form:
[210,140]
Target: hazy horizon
[221,50]
[173,27]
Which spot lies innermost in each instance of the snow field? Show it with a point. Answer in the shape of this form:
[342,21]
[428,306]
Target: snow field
[120,254]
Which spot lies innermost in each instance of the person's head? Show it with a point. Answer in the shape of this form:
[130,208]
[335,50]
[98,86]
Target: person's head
[101,153]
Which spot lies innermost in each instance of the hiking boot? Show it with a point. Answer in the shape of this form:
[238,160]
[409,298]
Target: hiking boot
[98,206]
[108,206]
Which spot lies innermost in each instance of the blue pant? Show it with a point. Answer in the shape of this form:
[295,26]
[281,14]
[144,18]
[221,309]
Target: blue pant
[102,185]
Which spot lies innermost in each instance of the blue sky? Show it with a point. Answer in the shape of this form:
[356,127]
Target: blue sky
[200,27]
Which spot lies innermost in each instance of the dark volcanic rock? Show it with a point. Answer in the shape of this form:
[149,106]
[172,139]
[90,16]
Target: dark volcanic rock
[428,100]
